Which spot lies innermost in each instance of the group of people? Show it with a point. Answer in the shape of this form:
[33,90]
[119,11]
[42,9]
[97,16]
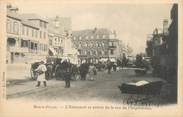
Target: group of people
[63,70]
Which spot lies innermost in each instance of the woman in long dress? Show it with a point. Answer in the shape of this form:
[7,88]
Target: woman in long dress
[41,74]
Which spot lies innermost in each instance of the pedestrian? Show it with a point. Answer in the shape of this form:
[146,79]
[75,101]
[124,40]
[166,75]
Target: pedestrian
[109,66]
[91,72]
[49,72]
[83,70]
[114,66]
[41,74]
[67,72]
[95,70]
[59,70]
[33,72]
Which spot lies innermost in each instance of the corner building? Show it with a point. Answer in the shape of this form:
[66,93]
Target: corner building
[96,45]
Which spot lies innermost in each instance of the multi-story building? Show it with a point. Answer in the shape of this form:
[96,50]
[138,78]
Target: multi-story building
[60,38]
[163,48]
[27,39]
[96,44]
[56,38]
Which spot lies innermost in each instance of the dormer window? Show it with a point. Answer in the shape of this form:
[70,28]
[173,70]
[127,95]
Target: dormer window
[104,36]
[91,37]
[74,38]
[80,38]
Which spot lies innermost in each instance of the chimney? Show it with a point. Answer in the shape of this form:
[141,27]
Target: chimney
[165,27]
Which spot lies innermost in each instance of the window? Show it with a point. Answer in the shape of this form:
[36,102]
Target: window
[24,43]
[79,45]
[50,42]
[86,37]
[91,37]
[94,52]
[106,52]
[98,44]
[111,44]
[27,33]
[87,44]
[102,52]
[36,33]
[85,52]
[103,44]
[8,26]
[103,36]
[97,36]
[45,26]
[55,39]
[32,45]
[23,29]
[15,28]
[74,38]
[91,53]
[40,24]
[111,52]
[91,44]
[32,32]
[80,38]
[44,35]
[88,52]
[40,34]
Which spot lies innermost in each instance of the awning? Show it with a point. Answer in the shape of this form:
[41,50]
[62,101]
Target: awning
[52,51]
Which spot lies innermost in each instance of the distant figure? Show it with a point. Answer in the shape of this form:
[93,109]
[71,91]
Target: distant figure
[114,66]
[67,72]
[95,70]
[41,74]
[59,70]
[91,72]
[83,70]
[124,61]
[109,66]
[49,72]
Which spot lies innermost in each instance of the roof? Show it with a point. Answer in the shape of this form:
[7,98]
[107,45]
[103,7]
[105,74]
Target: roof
[28,23]
[92,32]
[13,15]
[33,17]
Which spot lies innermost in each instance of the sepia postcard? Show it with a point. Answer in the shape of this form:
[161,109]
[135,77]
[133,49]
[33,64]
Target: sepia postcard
[95,58]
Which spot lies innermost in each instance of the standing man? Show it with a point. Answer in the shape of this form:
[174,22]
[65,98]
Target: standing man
[83,70]
[41,74]
[109,66]
[67,72]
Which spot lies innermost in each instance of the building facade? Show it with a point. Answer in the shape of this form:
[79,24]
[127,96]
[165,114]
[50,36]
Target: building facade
[27,39]
[60,38]
[96,44]
[163,48]
[56,38]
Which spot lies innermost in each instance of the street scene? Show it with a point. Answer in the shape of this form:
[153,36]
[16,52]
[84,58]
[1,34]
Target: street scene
[97,52]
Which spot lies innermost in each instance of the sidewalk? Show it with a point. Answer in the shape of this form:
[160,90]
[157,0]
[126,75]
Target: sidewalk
[18,72]
[24,88]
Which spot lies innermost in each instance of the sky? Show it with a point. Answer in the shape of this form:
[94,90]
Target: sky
[132,22]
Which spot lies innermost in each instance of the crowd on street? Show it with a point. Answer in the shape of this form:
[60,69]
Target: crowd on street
[63,69]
